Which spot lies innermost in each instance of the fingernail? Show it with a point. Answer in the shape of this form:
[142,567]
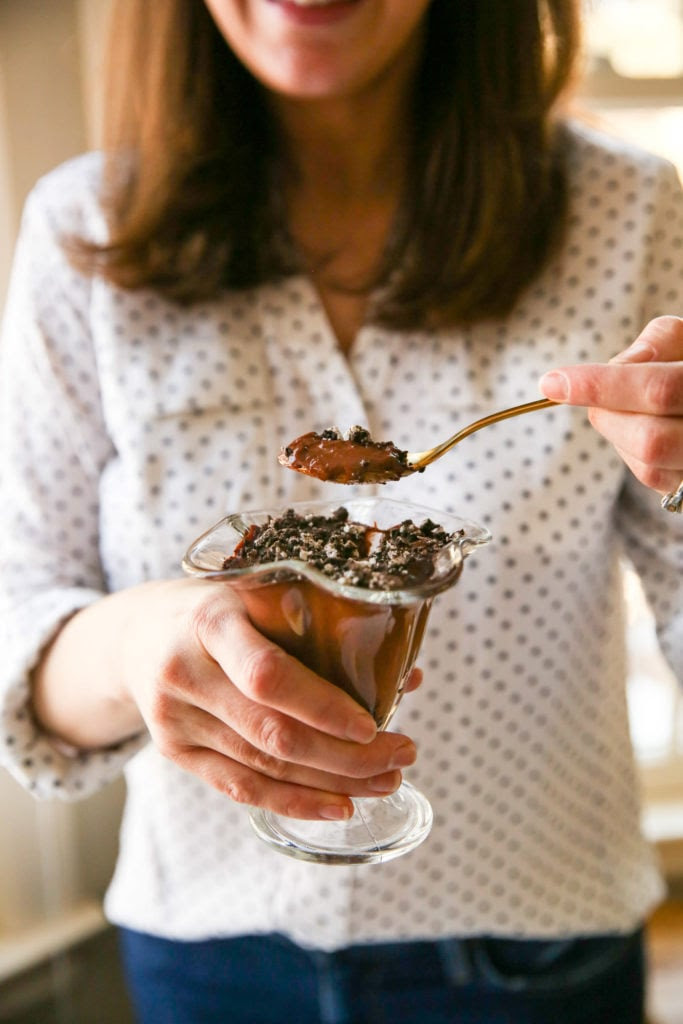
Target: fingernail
[361,729]
[404,755]
[335,812]
[555,386]
[638,352]
[386,783]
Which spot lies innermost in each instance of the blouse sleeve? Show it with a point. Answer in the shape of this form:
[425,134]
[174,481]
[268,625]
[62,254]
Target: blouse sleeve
[53,447]
[654,537]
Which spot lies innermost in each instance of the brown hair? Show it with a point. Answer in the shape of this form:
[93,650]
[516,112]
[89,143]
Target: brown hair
[190,187]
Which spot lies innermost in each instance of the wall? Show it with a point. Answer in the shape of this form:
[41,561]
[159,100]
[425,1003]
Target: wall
[55,859]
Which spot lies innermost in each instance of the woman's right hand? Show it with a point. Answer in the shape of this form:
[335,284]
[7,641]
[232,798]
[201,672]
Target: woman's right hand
[221,701]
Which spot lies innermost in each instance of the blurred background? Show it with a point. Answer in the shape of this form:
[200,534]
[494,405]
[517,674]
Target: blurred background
[57,958]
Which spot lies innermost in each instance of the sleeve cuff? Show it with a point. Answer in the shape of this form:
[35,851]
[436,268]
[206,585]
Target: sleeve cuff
[46,767]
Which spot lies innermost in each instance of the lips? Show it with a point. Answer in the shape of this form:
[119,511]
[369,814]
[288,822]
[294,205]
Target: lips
[315,3]
[313,7]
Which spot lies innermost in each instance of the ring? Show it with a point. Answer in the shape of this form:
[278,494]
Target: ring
[673,502]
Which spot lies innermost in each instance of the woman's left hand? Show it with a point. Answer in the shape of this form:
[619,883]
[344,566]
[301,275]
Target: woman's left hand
[635,401]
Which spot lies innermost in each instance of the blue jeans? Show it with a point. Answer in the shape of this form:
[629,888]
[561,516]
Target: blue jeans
[270,980]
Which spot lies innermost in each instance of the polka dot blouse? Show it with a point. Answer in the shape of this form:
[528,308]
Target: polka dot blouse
[129,425]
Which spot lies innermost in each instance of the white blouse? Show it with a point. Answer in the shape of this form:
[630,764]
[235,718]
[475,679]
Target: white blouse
[129,425]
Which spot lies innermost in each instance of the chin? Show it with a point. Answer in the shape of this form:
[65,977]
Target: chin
[328,75]
[312,81]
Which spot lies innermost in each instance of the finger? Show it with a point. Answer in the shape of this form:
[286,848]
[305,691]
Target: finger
[267,739]
[244,785]
[660,341]
[654,441]
[662,480]
[414,680]
[269,676]
[208,733]
[655,389]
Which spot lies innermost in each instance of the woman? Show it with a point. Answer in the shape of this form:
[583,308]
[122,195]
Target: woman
[358,211]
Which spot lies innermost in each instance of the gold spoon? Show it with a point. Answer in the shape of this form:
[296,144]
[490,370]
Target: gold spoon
[672,502]
[359,459]
[418,460]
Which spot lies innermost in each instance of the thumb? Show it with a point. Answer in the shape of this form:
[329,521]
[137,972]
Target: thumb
[660,341]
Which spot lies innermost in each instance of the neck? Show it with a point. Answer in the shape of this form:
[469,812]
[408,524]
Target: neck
[345,161]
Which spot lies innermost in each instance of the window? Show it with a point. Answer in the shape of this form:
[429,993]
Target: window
[633,79]
[633,87]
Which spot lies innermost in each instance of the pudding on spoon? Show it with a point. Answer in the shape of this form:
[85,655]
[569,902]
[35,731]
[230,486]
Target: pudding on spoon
[354,459]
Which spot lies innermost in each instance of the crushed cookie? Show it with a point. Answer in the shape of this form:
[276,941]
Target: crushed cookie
[350,552]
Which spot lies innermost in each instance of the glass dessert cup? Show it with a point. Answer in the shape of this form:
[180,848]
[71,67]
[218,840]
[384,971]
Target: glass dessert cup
[363,640]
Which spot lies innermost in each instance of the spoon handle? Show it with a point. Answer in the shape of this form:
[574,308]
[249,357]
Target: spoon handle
[417,460]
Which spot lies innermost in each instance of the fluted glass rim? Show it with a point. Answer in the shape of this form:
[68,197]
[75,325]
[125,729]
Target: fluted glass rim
[205,555]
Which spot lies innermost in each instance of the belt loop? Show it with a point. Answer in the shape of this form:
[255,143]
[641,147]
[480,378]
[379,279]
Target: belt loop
[455,960]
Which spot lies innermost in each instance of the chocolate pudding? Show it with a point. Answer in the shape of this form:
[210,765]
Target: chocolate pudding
[354,459]
[367,647]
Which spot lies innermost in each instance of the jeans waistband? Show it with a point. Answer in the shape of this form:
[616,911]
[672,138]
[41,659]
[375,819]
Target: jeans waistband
[529,965]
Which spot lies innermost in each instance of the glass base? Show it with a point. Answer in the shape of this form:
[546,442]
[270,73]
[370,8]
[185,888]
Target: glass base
[380,829]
